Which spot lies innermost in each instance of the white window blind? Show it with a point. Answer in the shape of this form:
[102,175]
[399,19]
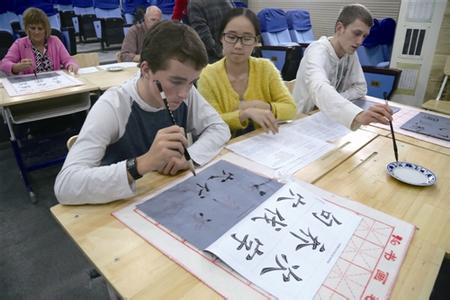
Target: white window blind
[324,13]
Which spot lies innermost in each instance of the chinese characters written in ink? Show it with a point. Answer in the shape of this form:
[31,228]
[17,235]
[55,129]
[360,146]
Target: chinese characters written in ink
[276,221]
[308,240]
[248,246]
[283,266]
[295,197]
[326,218]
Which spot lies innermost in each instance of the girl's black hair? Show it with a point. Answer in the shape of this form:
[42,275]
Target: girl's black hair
[236,12]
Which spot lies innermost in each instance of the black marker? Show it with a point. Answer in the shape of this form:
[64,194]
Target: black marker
[174,122]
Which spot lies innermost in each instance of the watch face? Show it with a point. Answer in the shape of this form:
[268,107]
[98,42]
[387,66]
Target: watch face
[130,164]
[132,169]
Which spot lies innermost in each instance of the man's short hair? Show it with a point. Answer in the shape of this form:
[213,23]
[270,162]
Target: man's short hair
[169,40]
[36,16]
[352,12]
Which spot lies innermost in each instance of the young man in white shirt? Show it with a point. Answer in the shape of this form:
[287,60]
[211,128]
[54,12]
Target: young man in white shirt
[129,132]
[330,74]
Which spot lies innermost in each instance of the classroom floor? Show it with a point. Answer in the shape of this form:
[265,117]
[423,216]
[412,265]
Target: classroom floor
[38,260]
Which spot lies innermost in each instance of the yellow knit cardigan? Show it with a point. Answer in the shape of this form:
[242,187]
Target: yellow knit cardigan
[264,83]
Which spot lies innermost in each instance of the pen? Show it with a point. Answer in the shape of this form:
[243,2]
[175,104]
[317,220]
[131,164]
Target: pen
[174,122]
[394,143]
[35,75]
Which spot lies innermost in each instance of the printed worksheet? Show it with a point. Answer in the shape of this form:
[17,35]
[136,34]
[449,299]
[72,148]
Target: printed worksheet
[41,82]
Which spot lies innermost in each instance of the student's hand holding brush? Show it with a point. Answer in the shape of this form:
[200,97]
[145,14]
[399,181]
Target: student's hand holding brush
[166,153]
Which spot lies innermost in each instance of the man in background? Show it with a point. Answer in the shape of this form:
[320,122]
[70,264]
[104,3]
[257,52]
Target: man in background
[205,17]
[134,39]
[330,75]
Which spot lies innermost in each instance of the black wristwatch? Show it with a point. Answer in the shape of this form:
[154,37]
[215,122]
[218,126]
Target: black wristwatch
[132,168]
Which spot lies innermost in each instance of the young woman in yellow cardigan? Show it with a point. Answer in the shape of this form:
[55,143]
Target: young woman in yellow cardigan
[248,92]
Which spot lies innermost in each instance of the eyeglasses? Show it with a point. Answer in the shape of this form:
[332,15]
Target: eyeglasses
[247,40]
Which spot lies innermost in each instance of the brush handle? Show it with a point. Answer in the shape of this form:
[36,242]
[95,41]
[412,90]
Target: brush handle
[394,143]
[187,156]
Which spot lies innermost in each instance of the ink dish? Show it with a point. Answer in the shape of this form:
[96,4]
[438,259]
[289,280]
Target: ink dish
[411,173]
[114,69]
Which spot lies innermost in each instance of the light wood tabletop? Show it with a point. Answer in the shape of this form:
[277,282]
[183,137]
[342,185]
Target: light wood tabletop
[105,79]
[363,178]
[402,137]
[135,268]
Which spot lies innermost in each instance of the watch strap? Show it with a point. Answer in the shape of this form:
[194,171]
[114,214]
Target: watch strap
[132,168]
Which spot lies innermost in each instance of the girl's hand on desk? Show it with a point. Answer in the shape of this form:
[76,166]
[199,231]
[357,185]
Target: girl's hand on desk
[73,69]
[21,66]
[262,117]
[255,104]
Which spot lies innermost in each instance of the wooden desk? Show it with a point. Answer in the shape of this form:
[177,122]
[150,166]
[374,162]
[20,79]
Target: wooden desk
[404,138]
[38,106]
[105,79]
[363,178]
[135,268]
[7,101]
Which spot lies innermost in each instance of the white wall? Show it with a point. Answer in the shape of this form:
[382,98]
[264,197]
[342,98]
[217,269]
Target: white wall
[418,15]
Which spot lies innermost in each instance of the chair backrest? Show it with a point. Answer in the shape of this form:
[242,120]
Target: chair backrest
[67,18]
[83,7]
[55,21]
[87,59]
[108,13]
[6,18]
[274,27]
[381,83]
[377,47]
[6,40]
[370,56]
[299,24]
[107,4]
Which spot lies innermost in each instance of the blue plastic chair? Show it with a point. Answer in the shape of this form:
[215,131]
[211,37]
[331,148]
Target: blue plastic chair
[7,16]
[277,44]
[300,28]
[377,47]
[64,5]
[274,27]
[110,25]
[129,9]
[375,55]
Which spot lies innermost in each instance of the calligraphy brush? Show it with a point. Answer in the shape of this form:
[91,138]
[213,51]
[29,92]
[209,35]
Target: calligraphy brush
[394,143]
[174,122]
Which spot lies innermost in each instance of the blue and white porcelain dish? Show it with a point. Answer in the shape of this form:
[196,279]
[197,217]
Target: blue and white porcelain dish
[411,173]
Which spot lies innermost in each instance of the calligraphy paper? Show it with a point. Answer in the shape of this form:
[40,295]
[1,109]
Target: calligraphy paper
[203,207]
[429,124]
[289,244]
